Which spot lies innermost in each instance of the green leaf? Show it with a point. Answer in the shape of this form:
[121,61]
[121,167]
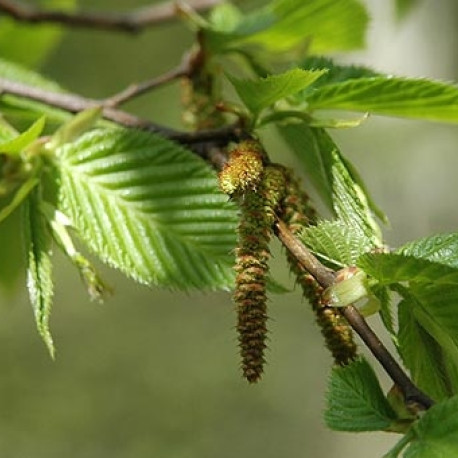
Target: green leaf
[421,354]
[80,123]
[435,309]
[263,92]
[355,401]
[285,25]
[148,207]
[336,73]
[334,178]
[391,96]
[18,144]
[39,266]
[350,202]
[435,433]
[390,268]
[335,242]
[440,248]
[326,25]
[313,148]
[27,44]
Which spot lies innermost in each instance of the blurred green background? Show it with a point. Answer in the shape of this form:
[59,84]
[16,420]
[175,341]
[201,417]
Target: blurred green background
[153,373]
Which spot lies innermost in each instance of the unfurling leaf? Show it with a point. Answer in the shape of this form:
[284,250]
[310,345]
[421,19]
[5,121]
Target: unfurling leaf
[263,92]
[335,179]
[39,266]
[148,207]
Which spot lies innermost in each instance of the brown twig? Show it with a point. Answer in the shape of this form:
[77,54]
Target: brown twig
[413,395]
[74,103]
[133,22]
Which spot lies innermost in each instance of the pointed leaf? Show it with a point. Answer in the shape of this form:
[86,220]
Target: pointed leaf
[435,433]
[336,73]
[390,268]
[263,92]
[391,96]
[148,207]
[18,144]
[355,401]
[39,266]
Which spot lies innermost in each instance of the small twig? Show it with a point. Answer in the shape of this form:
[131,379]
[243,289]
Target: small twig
[74,103]
[136,89]
[413,395]
[133,22]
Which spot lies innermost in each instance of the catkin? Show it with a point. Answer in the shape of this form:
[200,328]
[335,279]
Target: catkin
[252,255]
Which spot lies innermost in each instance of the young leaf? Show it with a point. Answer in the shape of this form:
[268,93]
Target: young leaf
[440,248]
[390,268]
[39,266]
[350,202]
[327,25]
[336,73]
[434,436]
[335,179]
[148,207]
[335,242]
[30,45]
[263,92]
[355,401]
[18,144]
[391,96]
[421,354]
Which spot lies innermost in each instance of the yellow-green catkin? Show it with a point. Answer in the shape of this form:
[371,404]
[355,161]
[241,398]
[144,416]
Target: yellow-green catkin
[258,209]
[243,169]
[298,213]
